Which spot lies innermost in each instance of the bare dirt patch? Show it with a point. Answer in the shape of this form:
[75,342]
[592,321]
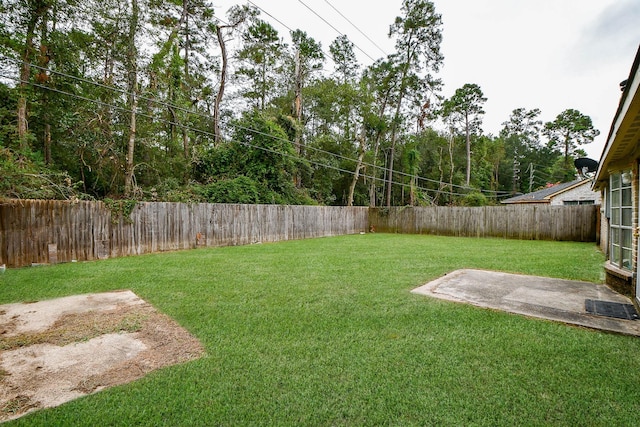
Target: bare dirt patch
[57,350]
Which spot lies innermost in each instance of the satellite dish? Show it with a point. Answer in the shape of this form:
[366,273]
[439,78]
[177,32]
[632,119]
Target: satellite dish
[585,166]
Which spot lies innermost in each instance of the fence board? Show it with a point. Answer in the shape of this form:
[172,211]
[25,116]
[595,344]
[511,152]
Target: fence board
[527,222]
[85,230]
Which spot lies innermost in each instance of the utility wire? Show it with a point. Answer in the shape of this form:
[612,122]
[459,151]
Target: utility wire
[356,27]
[319,16]
[335,29]
[237,126]
[211,135]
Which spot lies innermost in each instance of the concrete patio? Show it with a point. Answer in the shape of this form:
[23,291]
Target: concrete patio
[541,297]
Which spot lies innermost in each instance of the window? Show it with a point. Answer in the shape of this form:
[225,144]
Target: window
[578,202]
[620,221]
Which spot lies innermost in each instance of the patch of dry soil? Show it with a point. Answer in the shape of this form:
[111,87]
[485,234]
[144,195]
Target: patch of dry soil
[57,350]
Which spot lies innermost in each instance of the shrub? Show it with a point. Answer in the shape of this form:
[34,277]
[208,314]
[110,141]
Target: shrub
[474,198]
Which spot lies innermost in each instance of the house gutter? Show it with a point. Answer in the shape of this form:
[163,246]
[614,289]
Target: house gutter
[632,85]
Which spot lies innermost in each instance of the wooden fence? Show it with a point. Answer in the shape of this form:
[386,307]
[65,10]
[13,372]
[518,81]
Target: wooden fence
[526,222]
[48,231]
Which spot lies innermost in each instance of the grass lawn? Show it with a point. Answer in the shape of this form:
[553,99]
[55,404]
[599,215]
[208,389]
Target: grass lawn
[325,332]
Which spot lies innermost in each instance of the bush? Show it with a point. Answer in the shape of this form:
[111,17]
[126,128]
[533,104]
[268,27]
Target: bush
[24,176]
[474,198]
[237,190]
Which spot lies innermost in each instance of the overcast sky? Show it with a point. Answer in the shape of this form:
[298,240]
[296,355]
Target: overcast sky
[546,54]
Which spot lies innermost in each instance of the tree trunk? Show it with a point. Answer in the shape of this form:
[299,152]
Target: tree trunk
[297,107]
[390,173]
[185,144]
[374,172]
[441,178]
[47,142]
[132,103]
[263,84]
[394,125]
[223,79]
[25,75]
[468,141]
[451,164]
[356,174]
[297,102]
[394,131]
[187,41]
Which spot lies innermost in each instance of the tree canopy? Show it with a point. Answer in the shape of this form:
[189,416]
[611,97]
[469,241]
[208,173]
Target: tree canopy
[178,101]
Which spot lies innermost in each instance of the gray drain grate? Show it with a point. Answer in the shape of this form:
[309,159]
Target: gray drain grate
[617,310]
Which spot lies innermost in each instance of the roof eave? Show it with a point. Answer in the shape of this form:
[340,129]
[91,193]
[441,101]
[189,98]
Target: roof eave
[629,94]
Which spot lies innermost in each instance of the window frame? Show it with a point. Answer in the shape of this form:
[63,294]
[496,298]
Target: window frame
[620,207]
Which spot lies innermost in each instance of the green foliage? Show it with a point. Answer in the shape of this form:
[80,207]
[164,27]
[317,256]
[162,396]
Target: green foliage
[475,198]
[570,129]
[173,190]
[8,105]
[309,51]
[78,93]
[465,106]
[263,151]
[256,166]
[261,56]
[344,58]
[237,190]
[24,176]
[120,209]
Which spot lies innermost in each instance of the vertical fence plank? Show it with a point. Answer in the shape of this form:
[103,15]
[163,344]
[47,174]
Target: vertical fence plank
[88,230]
[542,222]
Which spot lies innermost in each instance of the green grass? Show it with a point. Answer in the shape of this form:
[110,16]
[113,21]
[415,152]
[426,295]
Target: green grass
[325,332]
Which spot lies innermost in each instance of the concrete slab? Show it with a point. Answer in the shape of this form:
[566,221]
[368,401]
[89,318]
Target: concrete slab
[542,297]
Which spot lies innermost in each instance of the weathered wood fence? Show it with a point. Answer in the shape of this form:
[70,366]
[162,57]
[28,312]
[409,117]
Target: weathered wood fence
[47,231]
[525,222]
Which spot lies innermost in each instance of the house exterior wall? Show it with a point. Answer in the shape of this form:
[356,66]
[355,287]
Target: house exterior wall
[581,193]
[604,224]
[622,153]
[622,280]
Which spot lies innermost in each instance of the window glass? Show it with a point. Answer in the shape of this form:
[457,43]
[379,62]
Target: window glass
[615,255]
[626,258]
[627,214]
[626,196]
[620,201]
[615,236]
[615,197]
[626,238]
[615,180]
[615,216]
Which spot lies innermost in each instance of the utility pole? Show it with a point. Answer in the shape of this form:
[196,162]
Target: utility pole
[516,173]
[531,169]
[297,110]
[297,101]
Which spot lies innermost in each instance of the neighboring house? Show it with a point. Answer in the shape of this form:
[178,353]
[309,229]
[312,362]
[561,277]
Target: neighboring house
[576,192]
[617,178]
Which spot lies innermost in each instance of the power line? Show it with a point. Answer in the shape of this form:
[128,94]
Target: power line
[338,31]
[237,126]
[356,27]
[270,15]
[211,135]
[319,16]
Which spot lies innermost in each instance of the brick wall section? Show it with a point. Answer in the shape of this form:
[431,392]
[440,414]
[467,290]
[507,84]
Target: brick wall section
[580,193]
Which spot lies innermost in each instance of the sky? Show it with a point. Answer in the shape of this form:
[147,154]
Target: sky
[545,54]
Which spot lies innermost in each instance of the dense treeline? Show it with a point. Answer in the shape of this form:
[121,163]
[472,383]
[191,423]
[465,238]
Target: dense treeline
[175,101]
